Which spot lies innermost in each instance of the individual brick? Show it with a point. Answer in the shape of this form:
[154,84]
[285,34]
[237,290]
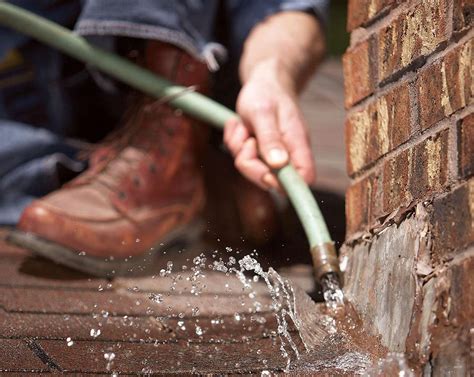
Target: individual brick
[445,86]
[429,170]
[16,356]
[361,12]
[30,272]
[415,33]
[357,206]
[181,358]
[452,219]
[463,15]
[462,292]
[358,65]
[396,177]
[466,146]
[379,128]
[119,303]
[363,203]
[27,325]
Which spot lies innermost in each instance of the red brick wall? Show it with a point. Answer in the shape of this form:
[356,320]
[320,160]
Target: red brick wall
[409,96]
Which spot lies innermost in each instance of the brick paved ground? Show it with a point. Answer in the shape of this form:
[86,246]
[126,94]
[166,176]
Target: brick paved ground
[50,317]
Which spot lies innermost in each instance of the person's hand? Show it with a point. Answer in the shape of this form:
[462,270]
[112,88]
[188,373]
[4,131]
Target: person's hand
[271,131]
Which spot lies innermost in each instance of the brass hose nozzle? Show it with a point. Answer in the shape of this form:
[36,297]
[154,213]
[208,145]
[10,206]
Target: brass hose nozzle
[325,261]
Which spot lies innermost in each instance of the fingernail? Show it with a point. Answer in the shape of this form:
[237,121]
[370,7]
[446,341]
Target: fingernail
[277,156]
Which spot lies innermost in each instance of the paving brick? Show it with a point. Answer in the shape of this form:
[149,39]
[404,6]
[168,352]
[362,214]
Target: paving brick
[55,326]
[209,282]
[161,358]
[380,127]
[463,15]
[361,12]
[415,33]
[121,303]
[133,329]
[466,146]
[396,178]
[445,86]
[40,272]
[358,65]
[429,169]
[16,356]
[452,219]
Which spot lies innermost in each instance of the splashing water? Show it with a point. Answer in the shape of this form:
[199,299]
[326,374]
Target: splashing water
[283,302]
[332,292]
[95,333]
[290,333]
[109,357]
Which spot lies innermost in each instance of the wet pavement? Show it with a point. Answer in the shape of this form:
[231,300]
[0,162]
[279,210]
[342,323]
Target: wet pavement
[53,319]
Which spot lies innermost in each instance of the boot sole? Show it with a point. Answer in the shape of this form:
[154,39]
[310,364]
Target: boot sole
[106,267]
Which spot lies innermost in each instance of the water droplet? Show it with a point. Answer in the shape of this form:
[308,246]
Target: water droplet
[95,333]
[195,311]
[69,341]
[109,356]
[199,331]
[237,317]
[156,297]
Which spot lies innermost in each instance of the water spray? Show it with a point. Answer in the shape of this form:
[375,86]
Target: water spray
[325,261]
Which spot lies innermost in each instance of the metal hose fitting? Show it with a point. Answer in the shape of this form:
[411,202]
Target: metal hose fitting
[325,261]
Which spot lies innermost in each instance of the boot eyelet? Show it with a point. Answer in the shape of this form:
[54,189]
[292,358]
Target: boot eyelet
[122,195]
[136,181]
[152,168]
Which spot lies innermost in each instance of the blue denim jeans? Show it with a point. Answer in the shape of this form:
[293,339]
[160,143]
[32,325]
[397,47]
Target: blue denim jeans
[46,99]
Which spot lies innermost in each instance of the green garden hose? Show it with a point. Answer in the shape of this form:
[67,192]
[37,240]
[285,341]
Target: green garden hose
[192,103]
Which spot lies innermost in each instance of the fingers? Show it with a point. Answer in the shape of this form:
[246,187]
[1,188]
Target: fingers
[296,138]
[254,169]
[235,134]
[264,121]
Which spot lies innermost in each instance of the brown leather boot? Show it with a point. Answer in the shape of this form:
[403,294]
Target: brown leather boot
[141,191]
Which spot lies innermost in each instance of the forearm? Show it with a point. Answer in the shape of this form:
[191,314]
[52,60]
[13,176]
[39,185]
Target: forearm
[290,43]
